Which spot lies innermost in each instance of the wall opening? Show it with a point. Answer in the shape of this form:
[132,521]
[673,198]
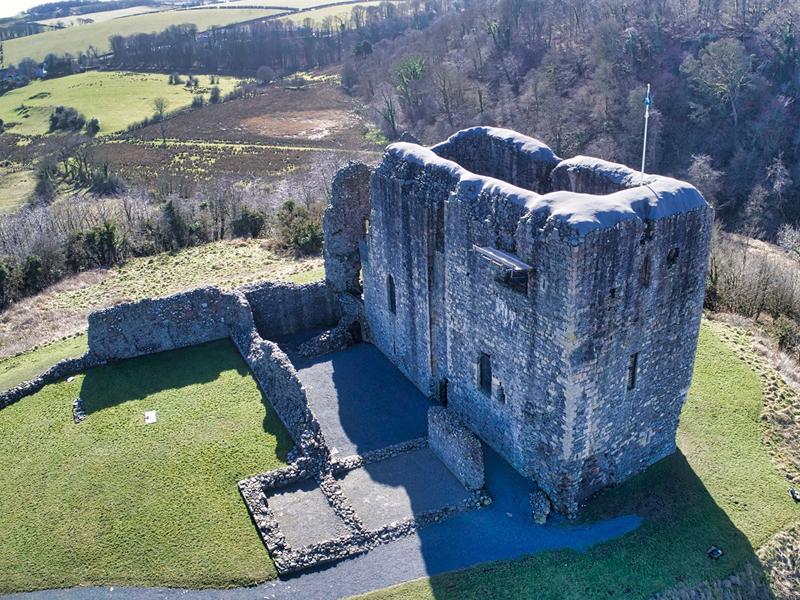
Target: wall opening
[391,296]
[672,257]
[485,373]
[645,275]
[443,392]
[633,363]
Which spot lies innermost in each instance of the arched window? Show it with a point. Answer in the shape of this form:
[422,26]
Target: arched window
[485,373]
[391,297]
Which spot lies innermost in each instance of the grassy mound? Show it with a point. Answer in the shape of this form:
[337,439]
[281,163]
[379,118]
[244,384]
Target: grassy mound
[117,98]
[720,489]
[112,501]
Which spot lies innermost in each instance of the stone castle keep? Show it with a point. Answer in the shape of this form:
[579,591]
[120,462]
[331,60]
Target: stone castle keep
[553,306]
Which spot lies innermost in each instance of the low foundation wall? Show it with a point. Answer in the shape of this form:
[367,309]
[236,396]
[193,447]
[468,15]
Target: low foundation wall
[281,309]
[156,325]
[456,446]
[60,370]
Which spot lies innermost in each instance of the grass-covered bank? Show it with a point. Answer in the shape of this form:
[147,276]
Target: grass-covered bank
[61,310]
[24,367]
[112,501]
[720,489]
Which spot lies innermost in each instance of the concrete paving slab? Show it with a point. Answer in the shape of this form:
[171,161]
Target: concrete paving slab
[401,487]
[362,401]
[304,515]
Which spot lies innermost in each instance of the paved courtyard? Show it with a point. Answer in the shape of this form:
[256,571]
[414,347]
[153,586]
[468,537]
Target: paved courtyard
[362,401]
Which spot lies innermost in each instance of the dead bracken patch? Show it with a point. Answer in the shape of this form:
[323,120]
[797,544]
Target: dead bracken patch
[302,124]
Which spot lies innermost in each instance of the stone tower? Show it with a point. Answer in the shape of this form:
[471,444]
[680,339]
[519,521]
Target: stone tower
[553,305]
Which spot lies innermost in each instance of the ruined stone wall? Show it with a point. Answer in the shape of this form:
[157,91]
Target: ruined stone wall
[281,309]
[344,227]
[156,325]
[501,154]
[522,331]
[456,446]
[405,241]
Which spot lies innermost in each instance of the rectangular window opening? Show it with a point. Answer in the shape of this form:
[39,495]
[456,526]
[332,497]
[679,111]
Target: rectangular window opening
[485,373]
[633,364]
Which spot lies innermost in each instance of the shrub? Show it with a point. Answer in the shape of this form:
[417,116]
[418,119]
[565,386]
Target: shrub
[298,229]
[64,118]
[265,75]
[92,127]
[214,98]
[250,222]
[105,183]
[787,333]
[46,172]
[98,247]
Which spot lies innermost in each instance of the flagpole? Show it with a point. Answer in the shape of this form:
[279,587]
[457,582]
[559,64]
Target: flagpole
[647,102]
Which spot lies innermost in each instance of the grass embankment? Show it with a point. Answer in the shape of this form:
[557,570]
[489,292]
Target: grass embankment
[721,489]
[78,39]
[112,501]
[62,309]
[16,187]
[24,367]
[116,98]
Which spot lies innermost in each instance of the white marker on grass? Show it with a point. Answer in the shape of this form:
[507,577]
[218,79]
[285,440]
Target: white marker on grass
[150,417]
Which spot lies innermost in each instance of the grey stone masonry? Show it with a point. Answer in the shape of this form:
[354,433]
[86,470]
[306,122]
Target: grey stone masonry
[281,309]
[155,325]
[456,446]
[344,226]
[556,312]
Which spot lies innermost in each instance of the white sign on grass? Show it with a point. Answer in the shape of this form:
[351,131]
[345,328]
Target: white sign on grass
[150,416]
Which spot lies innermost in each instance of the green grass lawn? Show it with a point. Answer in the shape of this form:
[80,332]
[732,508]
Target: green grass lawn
[114,502]
[721,489]
[117,98]
[24,367]
[78,39]
[16,186]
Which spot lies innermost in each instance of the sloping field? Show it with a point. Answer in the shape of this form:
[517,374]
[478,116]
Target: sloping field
[99,17]
[63,308]
[78,39]
[16,186]
[117,98]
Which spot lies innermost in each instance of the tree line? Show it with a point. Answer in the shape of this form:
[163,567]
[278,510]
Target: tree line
[725,77]
[279,44]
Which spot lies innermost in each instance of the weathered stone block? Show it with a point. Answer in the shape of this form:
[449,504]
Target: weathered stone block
[456,446]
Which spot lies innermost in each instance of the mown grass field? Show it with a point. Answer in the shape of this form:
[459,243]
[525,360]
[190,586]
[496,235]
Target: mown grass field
[79,39]
[112,501]
[343,12]
[117,98]
[721,489]
[99,17]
